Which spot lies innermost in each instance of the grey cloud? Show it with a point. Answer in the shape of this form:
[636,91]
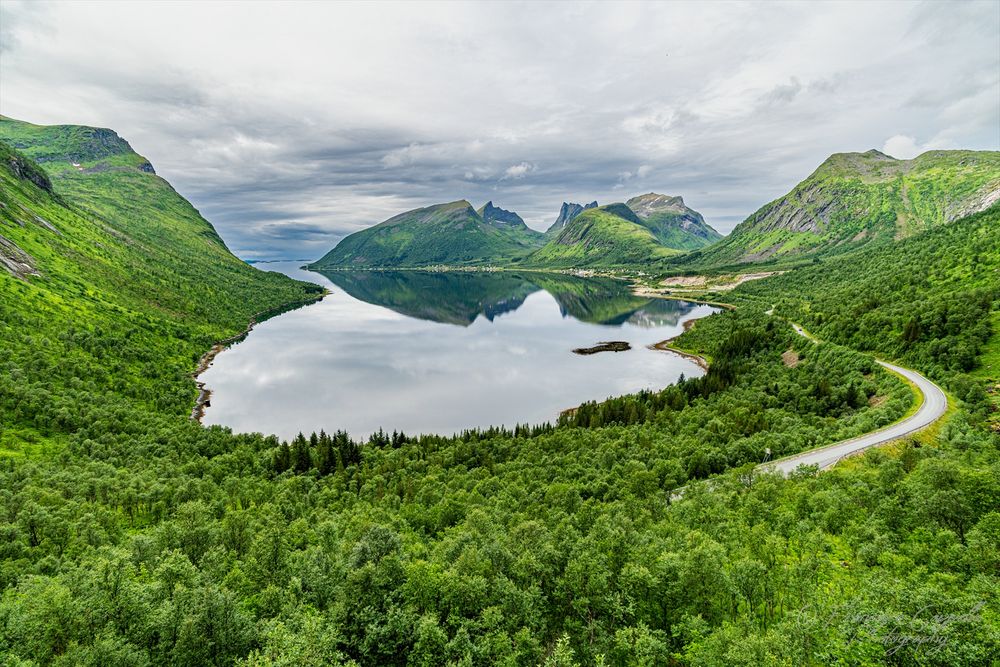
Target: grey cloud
[783,93]
[299,230]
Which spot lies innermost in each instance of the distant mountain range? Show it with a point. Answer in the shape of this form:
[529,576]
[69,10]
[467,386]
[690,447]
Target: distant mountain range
[455,234]
[850,200]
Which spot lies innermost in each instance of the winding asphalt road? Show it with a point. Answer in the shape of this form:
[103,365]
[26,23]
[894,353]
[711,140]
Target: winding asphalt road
[933,406]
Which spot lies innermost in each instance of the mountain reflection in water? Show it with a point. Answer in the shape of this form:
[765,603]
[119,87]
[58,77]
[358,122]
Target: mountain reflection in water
[460,297]
[426,352]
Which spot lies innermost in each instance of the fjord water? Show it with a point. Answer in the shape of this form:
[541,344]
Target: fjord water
[426,352]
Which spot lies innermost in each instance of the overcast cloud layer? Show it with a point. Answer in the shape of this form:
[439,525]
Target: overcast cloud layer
[292,125]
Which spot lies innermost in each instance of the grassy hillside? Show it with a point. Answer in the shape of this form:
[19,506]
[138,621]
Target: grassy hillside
[672,222]
[857,198]
[610,235]
[453,234]
[111,284]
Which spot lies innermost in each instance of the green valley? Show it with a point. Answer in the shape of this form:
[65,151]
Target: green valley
[499,334]
[135,536]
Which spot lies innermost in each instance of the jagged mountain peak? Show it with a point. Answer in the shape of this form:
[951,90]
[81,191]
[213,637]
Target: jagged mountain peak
[567,212]
[496,216]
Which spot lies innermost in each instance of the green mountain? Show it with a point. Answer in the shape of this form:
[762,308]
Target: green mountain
[512,224]
[452,234]
[857,198]
[672,222]
[98,253]
[611,235]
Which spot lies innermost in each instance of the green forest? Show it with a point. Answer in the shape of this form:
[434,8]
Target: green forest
[133,536]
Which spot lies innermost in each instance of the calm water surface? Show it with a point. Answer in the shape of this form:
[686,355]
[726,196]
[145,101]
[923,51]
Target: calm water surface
[441,352]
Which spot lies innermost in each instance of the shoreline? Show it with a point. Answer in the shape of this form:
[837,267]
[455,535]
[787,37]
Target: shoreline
[205,362]
[665,346]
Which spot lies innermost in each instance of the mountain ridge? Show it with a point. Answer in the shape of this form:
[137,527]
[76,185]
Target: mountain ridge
[452,233]
[610,235]
[855,198]
[497,216]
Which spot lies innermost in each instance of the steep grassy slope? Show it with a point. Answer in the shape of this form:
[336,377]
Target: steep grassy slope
[857,198]
[111,284]
[610,235]
[673,223]
[452,234]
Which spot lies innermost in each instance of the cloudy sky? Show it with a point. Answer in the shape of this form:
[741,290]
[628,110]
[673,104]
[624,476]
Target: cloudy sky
[291,125]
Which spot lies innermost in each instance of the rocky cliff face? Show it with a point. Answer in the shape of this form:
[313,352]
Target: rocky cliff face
[24,168]
[499,217]
[567,213]
[17,262]
[103,143]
